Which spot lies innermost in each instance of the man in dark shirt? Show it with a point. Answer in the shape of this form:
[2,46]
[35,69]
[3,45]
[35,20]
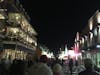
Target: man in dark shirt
[89,68]
[70,65]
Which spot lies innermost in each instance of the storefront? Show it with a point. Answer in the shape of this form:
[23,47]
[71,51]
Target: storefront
[15,51]
[94,55]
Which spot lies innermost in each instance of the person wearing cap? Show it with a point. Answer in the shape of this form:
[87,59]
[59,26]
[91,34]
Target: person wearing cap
[41,68]
[89,68]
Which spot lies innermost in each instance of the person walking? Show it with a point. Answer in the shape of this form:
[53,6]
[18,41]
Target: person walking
[70,65]
[17,67]
[41,68]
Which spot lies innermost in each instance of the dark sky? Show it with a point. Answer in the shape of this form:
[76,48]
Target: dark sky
[57,21]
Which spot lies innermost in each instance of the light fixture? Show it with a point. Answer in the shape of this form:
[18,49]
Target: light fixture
[97,46]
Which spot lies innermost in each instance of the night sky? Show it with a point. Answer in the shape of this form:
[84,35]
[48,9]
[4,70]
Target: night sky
[57,21]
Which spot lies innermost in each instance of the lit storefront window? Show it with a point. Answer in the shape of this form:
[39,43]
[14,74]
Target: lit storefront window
[82,40]
[91,38]
[90,24]
[98,17]
[95,32]
[98,34]
[91,35]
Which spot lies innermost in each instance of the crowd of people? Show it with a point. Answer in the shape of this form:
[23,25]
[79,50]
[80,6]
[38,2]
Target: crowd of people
[45,66]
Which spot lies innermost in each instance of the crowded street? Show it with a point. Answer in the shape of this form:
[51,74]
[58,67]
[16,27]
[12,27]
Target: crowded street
[49,37]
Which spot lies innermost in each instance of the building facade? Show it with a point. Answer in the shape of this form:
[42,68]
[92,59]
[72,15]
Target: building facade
[17,36]
[90,39]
